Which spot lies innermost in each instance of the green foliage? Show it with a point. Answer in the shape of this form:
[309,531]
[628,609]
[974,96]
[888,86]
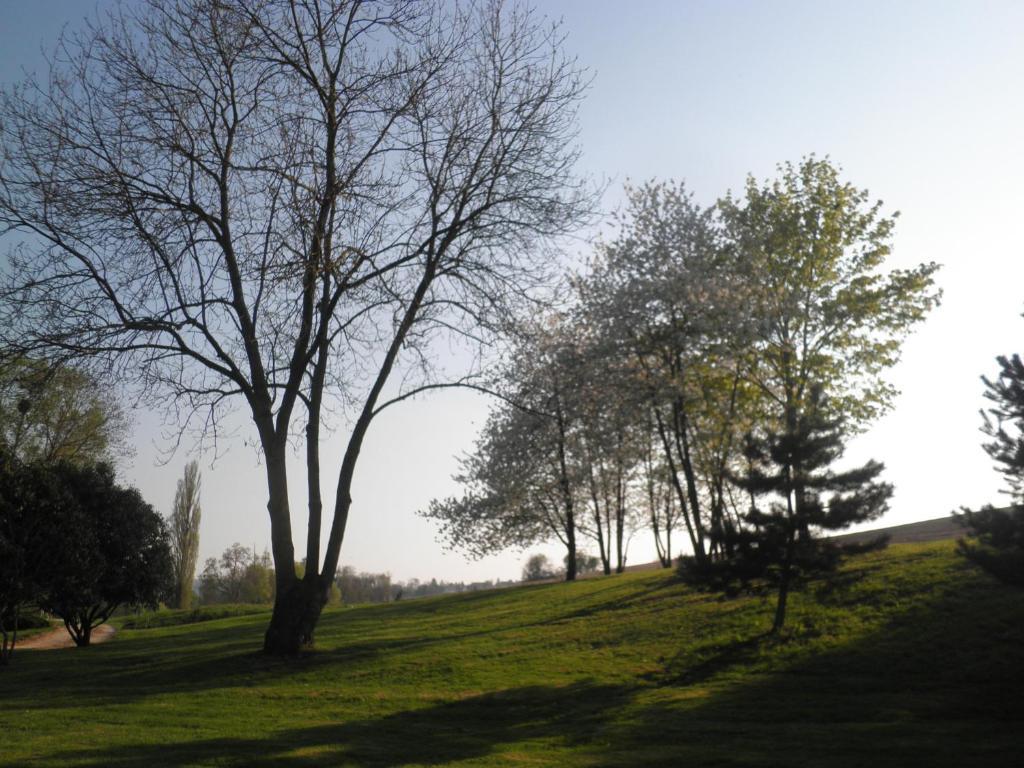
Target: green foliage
[27,620]
[354,588]
[782,543]
[38,515]
[995,541]
[912,658]
[825,308]
[1004,422]
[585,563]
[996,536]
[186,516]
[118,554]
[239,576]
[55,413]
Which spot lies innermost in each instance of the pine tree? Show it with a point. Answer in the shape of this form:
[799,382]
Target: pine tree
[791,469]
[1004,423]
[996,536]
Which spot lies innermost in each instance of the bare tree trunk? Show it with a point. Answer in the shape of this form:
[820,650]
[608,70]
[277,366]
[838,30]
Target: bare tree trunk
[296,612]
[601,542]
[9,640]
[570,521]
[79,626]
[784,582]
[620,523]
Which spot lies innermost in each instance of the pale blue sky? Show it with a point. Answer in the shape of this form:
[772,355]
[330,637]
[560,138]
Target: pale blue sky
[920,102]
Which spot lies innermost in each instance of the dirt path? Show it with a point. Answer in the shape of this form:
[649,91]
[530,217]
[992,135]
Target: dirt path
[59,638]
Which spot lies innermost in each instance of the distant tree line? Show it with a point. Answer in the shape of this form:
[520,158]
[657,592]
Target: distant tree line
[244,575]
[699,382]
[355,587]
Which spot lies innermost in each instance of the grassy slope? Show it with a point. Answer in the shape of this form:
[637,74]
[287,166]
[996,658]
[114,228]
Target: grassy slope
[915,659]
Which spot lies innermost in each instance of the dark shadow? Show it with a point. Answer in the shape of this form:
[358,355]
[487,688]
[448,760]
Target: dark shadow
[707,662]
[939,685]
[435,735]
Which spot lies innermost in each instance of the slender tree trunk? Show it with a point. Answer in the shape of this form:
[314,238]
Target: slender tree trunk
[667,562]
[698,550]
[620,525]
[9,639]
[787,560]
[570,521]
[602,549]
[780,607]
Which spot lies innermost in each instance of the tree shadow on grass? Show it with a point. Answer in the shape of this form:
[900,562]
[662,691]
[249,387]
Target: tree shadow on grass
[216,657]
[939,684]
[709,661]
[436,735]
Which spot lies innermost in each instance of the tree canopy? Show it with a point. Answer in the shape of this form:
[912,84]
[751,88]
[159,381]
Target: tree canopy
[118,554]
[53,413]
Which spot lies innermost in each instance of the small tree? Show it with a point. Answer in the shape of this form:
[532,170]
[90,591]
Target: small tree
[184,528]
[791,467]
[119,553]
[1004,423]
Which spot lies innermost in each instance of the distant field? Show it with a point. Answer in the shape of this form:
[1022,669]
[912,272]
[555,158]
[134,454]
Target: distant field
[913,658]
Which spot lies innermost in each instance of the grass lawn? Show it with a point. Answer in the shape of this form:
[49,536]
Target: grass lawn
[912,658]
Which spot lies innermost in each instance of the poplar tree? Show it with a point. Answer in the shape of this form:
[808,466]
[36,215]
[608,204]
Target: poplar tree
[184,530]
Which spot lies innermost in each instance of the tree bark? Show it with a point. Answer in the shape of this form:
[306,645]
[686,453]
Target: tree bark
[296,612]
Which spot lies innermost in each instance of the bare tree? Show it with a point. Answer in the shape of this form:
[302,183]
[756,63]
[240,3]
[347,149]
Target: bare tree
[286,204]
[184,530]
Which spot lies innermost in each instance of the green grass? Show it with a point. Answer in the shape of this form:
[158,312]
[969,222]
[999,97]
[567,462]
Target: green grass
[912,658]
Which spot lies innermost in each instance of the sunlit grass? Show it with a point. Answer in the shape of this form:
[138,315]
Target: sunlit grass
[912,658]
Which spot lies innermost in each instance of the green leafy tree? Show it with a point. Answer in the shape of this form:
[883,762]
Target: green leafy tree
[184,529]
[669,305]
[58,413]
[241,575]
[522,482]
[118,555]
[585,563]
[825,309]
